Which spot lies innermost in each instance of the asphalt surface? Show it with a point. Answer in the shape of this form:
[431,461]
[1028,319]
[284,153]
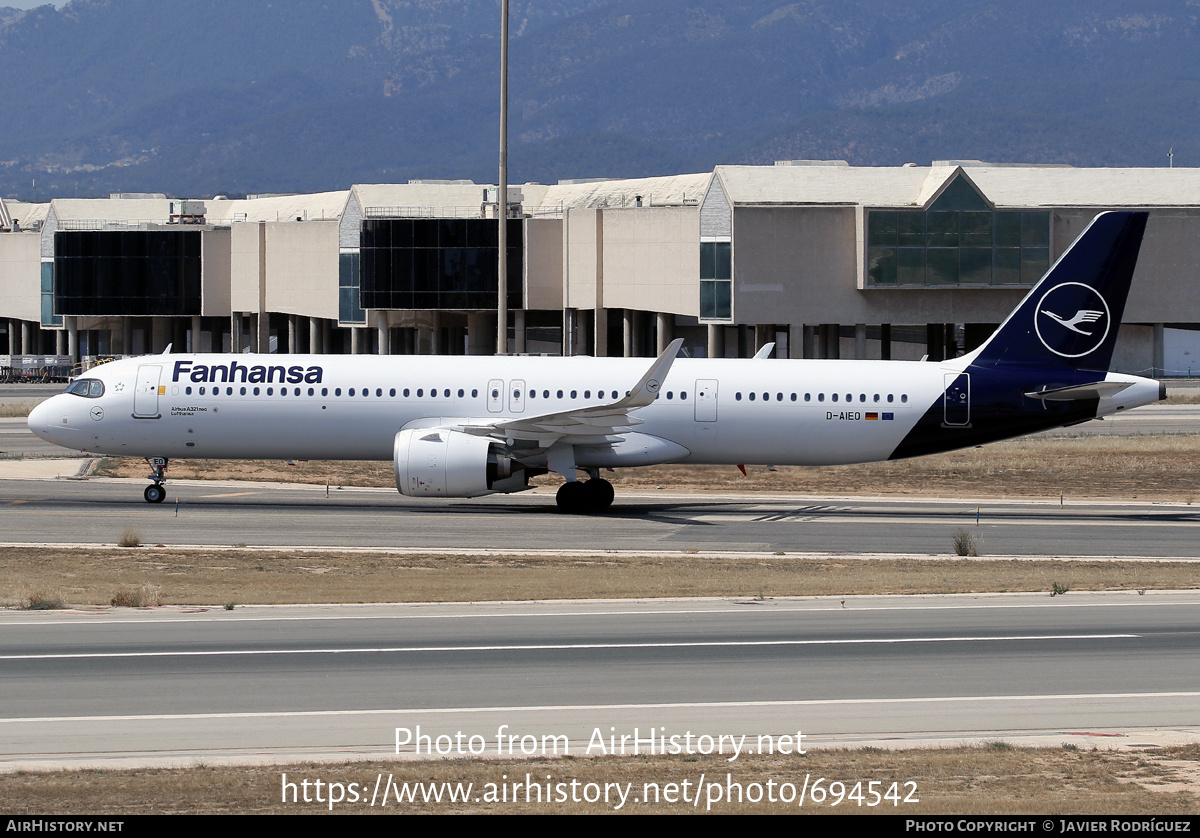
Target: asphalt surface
[98,511]
[259,684]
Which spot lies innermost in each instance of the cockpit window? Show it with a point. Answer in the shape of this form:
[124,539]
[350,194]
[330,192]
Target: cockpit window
[91,388]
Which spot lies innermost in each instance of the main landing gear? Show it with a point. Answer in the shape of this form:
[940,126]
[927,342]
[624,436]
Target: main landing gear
[155,492]
[589,497]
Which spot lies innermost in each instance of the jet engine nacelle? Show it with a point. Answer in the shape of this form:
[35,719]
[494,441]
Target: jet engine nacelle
[437,462]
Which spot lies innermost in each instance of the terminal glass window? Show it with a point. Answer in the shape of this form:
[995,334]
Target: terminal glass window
[137,273]
[438,263]
[349,310]
[716,280]
[959,240]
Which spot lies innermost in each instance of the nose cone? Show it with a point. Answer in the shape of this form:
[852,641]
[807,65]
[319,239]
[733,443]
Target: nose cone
[40,419]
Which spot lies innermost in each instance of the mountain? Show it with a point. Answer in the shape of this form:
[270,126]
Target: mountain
[223,96]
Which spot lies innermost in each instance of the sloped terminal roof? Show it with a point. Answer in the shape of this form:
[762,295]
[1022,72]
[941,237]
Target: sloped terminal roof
[673,189]
[1003,186]
[318,206]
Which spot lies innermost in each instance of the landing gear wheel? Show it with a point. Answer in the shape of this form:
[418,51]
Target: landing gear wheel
[588,498]
[599,494]
[572,498]
[155,493]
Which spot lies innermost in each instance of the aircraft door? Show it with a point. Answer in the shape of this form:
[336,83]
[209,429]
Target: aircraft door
[516,396]
[958,399]
[145,396]
[495,396]
[706,400]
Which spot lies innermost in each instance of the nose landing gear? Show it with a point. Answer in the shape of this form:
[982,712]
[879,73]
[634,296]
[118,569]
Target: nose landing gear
[155,492]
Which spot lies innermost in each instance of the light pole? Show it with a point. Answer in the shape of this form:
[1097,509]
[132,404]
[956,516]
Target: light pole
[502,193]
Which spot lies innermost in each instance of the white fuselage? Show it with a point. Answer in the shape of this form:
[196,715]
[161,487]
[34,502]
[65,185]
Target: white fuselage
[351,407]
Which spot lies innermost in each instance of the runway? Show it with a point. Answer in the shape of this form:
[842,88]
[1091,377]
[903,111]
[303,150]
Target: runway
[268,684]
[98,511]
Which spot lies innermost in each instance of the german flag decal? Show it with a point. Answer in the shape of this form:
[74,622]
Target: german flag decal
[872,415]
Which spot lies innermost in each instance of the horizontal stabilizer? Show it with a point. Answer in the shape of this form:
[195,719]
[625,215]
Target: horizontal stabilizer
[1094,390]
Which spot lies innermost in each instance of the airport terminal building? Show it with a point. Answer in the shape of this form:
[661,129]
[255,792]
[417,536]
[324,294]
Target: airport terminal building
[824,259]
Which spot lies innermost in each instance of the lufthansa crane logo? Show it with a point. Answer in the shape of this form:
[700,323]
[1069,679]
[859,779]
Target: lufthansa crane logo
[1072,320]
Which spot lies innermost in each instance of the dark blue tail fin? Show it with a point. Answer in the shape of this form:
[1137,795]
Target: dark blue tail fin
[1070,318]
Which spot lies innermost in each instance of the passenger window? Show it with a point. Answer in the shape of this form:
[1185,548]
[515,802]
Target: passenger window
[392,392]
[187,391]
[683,395]
[474,394]
[405,392]
[904,398]
[587,394]
[446,393]
[574,394]
[752,395]
[890,398]
[670,395]
[243,391]
[296,391]
[834,397]
[338,391]
[256,391]
[779,397]
[420,392]
[820,397]
[877,398]
[545,394]
[270,391]
[460,393]
[862,397]
[378,392]
[737,397]
[793,396]
[351,391]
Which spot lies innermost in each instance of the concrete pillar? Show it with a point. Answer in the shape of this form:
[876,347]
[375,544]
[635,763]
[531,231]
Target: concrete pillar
[28,344]
[665,330]
[833,340]
[292,334]
[235,332]
[72,338]
[885,342]
[600,333]
[796,341]
[627,332]
[314,336]
[261,339]
[385,338]
[1160,354]
[355,342]
[716,341]
[860,341]
[14,338]
[194,342]
[60,342]
[519,331]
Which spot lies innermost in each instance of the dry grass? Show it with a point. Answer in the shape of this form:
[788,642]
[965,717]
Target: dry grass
[1158,467]
[88,576]
[42,599]
[15,411]
[130,538]
[959,781]
[143,596]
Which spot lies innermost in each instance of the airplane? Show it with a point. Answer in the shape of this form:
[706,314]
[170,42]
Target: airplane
[467,427]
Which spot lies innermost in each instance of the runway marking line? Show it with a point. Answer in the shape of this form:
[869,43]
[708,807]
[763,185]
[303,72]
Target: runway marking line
[697,705]
[547,647]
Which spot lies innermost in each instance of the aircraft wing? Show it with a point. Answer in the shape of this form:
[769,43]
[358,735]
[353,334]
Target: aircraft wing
[594,425]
